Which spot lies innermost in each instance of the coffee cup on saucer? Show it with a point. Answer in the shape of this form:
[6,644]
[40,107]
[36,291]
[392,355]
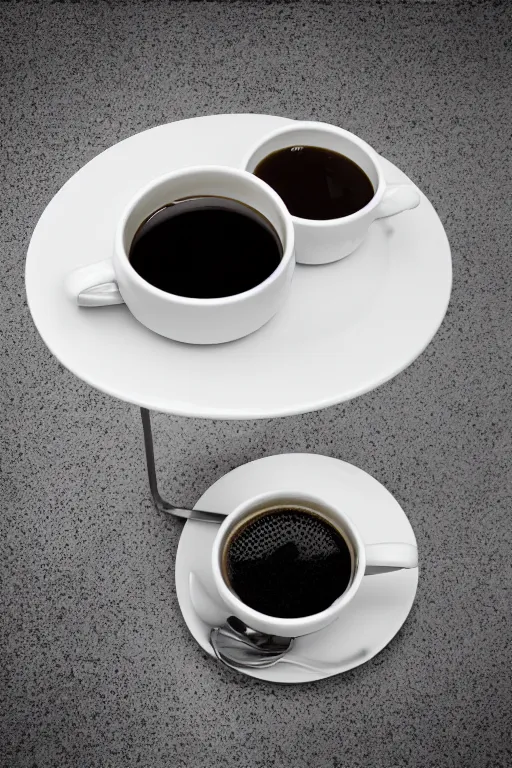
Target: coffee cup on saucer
[202,255]
[289,564]
[332,183]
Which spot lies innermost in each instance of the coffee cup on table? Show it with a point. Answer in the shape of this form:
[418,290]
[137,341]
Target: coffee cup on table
[202,255]
[289,564]
[332,183]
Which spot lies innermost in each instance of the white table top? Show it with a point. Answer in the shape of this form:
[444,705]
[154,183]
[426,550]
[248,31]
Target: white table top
[347,327]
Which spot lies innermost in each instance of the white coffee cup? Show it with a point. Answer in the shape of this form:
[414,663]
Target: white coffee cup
[367,560]
[196,321]
[321,242]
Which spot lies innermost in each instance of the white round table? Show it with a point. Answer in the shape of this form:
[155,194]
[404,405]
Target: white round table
[347,327]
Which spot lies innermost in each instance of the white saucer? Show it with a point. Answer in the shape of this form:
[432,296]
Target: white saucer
[346,328]
[381,605]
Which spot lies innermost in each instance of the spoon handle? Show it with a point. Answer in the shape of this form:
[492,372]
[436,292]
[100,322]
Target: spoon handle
[326,668]
[306,664]
[195,514]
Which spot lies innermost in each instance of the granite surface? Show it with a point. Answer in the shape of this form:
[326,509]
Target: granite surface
[98,668]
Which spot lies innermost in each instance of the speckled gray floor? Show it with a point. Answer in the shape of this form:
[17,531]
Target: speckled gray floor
[99,669]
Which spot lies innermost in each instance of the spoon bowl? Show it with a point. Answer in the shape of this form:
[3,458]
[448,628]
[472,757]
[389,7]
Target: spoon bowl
[238,645]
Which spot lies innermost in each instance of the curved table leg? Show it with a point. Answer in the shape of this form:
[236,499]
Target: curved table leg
[160,504]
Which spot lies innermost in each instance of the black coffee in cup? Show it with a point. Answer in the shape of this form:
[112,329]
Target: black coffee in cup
[316,183]
[206,248]
[287,562]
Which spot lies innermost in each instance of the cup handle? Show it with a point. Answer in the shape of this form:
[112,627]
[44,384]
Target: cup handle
[382,558]
[397,198]
[94,285]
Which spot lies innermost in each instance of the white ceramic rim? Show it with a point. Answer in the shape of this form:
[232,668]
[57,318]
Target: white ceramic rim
[214,170]
[326,129]
[298,625]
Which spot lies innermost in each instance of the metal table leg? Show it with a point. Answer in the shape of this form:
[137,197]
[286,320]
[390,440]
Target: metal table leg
[161,504]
